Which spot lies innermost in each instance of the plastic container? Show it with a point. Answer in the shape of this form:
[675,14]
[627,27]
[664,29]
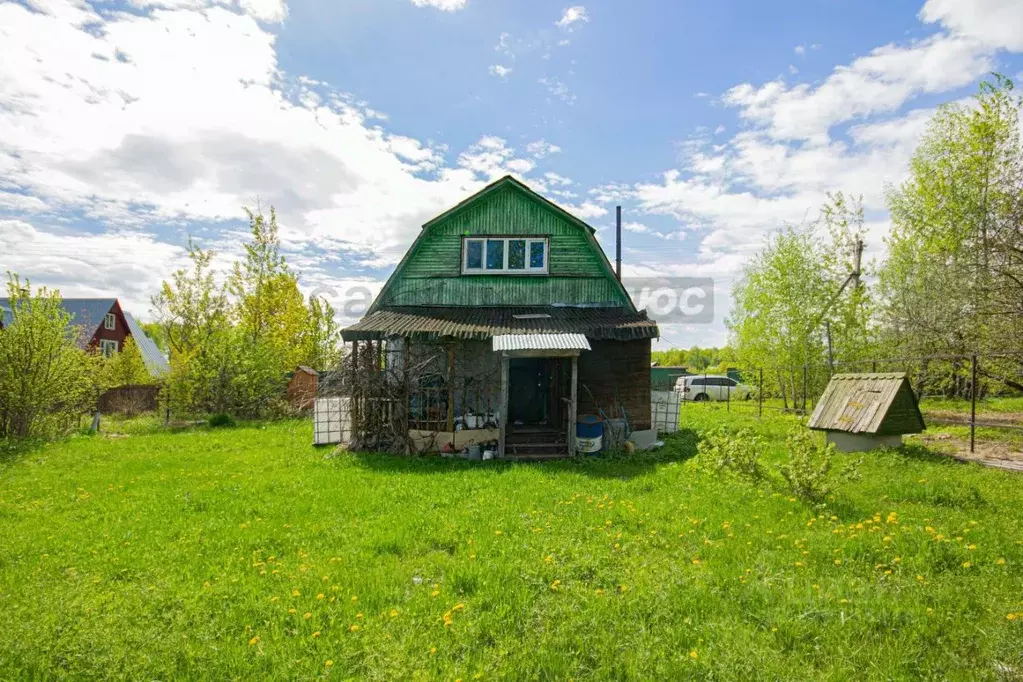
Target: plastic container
[589,434]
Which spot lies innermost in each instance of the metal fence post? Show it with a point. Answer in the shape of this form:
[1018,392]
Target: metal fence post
[973,403]
[760,394]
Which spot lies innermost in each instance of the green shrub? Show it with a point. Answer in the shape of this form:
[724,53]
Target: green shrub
[221,420]
[735,452]
[808,471]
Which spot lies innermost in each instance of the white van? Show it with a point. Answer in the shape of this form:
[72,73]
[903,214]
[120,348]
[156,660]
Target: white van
[700,387]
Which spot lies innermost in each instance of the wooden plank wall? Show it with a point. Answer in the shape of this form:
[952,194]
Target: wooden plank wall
[616,372]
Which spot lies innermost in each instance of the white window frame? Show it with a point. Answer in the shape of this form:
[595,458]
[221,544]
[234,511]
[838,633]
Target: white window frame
[108,347]
[110,321]
[505,270]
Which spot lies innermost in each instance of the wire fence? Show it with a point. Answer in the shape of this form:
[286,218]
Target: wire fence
[968,390]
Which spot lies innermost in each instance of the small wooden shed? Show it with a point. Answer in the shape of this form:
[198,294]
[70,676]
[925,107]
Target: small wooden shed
[302,388]
[867,411]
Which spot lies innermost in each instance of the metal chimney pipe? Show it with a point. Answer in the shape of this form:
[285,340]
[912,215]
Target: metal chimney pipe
[618,242]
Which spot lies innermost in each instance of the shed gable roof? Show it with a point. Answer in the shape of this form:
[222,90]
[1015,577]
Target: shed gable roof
[429,274]
[874,404]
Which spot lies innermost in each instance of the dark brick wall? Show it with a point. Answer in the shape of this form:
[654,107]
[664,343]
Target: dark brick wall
[616,373]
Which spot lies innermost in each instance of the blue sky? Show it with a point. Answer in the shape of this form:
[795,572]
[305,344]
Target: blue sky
[127,127]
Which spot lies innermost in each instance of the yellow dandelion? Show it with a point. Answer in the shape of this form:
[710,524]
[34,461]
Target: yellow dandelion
[354,598]
[693,655]
[359,615]
[1000,562]
[329,663]
[433,650]
[292,611]
[967,564]
[254,641]
[435,593]
[460,606]
[1009,616]
[838,562]
[296,593]
[307,615]
[498,532]
[320,595]
[394,613]
[316,634]
[353,628]
[972,547]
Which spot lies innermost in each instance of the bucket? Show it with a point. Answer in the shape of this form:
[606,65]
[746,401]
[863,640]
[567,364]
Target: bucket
[589,434]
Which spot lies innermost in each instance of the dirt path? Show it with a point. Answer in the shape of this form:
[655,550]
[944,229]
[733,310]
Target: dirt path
[997,455]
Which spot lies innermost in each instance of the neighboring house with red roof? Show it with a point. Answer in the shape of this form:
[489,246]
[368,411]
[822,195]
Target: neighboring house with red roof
[104,326]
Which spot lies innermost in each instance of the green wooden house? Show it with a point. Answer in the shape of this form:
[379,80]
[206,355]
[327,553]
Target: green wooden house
[511,319]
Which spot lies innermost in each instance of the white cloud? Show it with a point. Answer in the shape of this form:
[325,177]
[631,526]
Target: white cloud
[542,148]
[128,265]
[500,71]
[556,87]
[557,180]
[880,82]
[491,158]
[443,5]
[571,16]
[997,23]
[800,50]
[180,116]
[637,228]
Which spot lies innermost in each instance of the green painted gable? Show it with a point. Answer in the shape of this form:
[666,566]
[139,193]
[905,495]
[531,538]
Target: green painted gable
[430,273]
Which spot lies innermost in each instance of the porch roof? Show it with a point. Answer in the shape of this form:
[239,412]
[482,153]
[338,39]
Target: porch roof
[473,323]
[513,342]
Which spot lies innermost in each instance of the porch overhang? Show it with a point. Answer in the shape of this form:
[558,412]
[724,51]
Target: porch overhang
[469,323]
[540,345]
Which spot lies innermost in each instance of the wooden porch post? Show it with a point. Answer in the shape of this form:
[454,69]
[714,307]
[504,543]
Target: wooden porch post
[503,418]
[573,406]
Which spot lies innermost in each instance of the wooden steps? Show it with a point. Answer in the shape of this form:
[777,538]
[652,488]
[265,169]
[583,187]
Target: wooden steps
[535,442]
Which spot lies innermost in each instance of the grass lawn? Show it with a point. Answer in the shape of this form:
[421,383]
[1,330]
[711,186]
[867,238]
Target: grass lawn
[245,553]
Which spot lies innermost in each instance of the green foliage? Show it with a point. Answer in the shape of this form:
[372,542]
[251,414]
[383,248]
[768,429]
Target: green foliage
[46,380]
[234,345]
[124,368]
[739,452]
[197,555]
[808,470]
[221,420]
[953,281]
[696,359]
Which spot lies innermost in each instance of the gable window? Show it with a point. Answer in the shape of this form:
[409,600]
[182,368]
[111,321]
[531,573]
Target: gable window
[110,321]
[504,255]
[107,347]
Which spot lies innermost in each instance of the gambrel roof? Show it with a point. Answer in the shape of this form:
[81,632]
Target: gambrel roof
[579,273]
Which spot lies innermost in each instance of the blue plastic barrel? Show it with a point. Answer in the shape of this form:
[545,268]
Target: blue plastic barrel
[589,434]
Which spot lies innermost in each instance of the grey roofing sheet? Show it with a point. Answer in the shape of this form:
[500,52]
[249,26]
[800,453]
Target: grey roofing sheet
[541,342]
[155,361]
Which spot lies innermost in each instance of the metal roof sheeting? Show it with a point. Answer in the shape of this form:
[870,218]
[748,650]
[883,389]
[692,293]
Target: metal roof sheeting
[155,361]
[541,342]
[481,323]
[87,313]
[875,404]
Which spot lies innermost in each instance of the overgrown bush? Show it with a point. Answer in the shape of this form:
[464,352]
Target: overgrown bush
[221,420]
[808,470]
[738,452]
[46,379]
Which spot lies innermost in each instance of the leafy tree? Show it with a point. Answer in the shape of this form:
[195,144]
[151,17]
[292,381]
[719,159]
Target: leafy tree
[192,312]
[322,336]
[953,281]
[45,377]
[125,368]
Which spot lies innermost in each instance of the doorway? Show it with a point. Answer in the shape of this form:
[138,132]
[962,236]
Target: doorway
[529,382]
